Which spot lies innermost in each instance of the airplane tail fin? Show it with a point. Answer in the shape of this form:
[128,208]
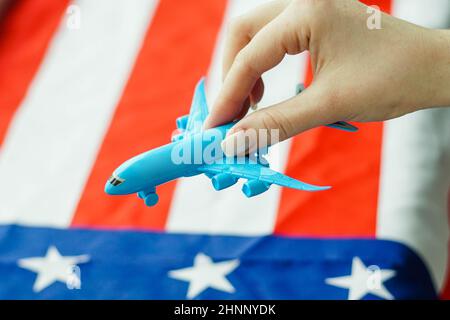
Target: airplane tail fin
[199,109]
[193,122]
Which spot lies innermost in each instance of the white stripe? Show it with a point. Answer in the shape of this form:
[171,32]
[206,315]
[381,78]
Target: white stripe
[196,206]
[415,171]
[415,180]
[56,134]
[430,13]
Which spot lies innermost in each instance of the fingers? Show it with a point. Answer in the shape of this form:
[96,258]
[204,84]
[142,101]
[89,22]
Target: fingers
[242,29]
[240,33]
[265,51]
[282,121]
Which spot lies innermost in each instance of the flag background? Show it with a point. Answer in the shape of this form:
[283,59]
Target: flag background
[76,103]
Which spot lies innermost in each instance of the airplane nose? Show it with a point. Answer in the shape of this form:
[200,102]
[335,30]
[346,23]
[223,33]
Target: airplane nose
[109,189]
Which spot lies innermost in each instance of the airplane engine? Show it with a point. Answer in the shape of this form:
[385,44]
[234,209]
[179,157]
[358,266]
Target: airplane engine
[182,122]
[254,187]
[222,181]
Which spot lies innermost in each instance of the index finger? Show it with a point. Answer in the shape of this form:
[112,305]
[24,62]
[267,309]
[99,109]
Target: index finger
[243,28]
[265,51]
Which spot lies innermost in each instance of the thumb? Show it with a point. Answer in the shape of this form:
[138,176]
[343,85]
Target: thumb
[279,122]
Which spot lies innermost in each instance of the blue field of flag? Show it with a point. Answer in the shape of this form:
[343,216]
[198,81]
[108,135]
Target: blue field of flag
[48,263]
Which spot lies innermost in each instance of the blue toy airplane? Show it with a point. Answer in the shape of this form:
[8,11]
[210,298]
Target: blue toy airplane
[143,173]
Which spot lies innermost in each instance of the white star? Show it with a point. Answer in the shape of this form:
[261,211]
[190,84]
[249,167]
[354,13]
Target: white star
[364,280]
[206,274]
[51,268]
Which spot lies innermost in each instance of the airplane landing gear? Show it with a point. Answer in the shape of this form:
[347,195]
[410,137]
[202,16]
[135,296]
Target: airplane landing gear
[151,199]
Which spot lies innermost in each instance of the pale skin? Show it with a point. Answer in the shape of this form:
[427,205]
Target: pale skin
[360,74]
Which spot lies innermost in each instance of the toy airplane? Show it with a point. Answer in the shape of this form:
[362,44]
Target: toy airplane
[143,173]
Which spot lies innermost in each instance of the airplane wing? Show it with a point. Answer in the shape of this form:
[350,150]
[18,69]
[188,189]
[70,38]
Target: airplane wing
[199,109]
[256,171]
[345,126]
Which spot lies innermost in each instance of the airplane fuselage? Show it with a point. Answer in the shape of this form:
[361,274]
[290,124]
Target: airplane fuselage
[174,160]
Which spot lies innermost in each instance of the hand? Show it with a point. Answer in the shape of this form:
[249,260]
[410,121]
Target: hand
[359,74]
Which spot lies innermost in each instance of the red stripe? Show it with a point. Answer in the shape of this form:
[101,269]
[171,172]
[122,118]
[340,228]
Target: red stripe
[385,5]
[25,34]
[348,162]
[445,294]
[175,54]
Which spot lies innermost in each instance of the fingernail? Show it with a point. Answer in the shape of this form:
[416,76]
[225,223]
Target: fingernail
[237,144]
[206,123]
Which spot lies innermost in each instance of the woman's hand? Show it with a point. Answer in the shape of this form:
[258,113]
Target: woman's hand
[359,74]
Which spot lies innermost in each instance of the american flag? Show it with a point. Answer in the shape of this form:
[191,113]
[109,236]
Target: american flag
[85,85]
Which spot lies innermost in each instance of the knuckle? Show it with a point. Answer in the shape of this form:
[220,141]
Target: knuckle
[239,26]
[244,63]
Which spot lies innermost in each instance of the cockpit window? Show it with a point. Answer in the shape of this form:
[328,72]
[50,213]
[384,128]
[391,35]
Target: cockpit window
[115,181]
